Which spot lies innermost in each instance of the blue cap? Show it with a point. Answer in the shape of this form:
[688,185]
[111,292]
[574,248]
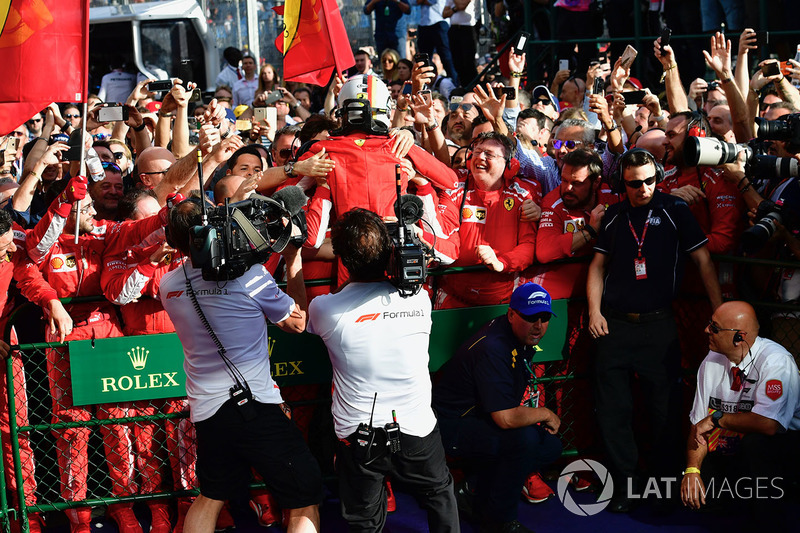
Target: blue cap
[529,299]
[229,114]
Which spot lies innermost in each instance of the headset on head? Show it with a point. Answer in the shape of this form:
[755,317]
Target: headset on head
[511,170]
[618,178]
[696,126]
[512,163]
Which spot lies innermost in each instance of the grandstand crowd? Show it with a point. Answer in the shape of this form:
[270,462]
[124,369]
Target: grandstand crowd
[523,174]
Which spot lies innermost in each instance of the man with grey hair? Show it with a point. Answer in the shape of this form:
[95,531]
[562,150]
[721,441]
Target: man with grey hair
[570,135]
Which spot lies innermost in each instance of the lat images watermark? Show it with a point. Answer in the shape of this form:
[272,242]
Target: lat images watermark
[586,509]
[658,488]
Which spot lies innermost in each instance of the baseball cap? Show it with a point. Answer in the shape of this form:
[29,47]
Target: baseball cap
[540,92]
[530,299]
[635,82]
[153,106]
[239,109]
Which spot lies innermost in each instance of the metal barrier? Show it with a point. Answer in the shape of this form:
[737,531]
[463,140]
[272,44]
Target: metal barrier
[158,431]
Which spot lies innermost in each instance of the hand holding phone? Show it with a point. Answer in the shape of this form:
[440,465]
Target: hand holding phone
[423,58]
[563,64]
[628,56]
[160,85]
[770,68]
[112,113]
[666,35]
[510,92]
[521,42]
[597,88]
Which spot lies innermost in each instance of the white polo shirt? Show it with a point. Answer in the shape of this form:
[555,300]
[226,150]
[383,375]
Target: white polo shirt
[771,387]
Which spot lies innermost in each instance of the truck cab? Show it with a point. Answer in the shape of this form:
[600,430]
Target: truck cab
[161,39]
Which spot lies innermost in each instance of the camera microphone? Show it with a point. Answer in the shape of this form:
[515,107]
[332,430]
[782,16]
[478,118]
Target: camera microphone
[411,208]
[292,198]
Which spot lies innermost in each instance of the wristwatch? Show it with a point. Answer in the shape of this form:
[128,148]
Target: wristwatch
[288,169]
[715,418]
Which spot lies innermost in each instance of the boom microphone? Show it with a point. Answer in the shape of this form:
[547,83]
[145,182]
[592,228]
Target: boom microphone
[292,198]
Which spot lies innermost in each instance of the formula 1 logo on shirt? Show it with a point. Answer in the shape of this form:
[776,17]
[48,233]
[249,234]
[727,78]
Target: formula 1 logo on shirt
[774,389]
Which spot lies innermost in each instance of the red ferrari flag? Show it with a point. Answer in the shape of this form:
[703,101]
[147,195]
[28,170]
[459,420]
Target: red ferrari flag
[44,53]
[314,41]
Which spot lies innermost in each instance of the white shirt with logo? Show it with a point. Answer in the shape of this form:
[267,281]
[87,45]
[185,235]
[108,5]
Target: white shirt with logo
[377,342]
[771,387]
[236,310]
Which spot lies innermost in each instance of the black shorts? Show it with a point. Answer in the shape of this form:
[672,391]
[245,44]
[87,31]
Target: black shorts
[228,446]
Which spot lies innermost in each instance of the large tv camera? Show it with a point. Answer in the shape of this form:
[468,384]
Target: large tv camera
[234,237]
[408,266]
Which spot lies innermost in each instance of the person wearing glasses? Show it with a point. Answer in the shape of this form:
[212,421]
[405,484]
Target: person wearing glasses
[35,125]
[74,270]
[632,282]
[479,401]
[489,229]
[746,414]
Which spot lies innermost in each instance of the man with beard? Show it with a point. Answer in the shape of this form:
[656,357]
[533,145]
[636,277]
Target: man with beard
[459,123]
[716,204]
[571,218]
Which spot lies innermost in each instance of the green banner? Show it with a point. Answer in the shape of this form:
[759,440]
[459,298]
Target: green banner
[149,367]
[124,369]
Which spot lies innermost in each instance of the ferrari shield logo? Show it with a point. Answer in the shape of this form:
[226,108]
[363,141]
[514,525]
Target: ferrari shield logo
[360,142]
[509,204]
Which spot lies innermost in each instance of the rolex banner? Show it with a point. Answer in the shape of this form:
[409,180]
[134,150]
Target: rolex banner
[148,367]
[125,369]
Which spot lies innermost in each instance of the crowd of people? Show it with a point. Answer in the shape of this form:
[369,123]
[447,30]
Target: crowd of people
[513,177]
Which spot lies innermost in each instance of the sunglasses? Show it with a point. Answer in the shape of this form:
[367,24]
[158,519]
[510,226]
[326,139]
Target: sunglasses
[101,136]
[157,171]
[713,328]
[118,155]
[544,316]
[571,145]
[70,115]
[18,134]
[35,120]
[635,184]
[285,153]
[113,166]
[466,108]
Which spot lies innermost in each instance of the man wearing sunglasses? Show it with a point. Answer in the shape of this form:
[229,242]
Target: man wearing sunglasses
[633,279]
[746,415]
[479,401]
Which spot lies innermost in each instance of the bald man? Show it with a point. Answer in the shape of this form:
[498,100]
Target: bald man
[152,165]
[745,417]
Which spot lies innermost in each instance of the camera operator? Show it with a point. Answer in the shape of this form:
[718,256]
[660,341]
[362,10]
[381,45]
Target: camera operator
[378,344]
[234,403]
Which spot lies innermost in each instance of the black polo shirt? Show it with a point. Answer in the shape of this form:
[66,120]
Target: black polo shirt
[487,374]
[672,232]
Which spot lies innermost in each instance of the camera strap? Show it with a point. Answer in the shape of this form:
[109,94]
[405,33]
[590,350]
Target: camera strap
[238,378]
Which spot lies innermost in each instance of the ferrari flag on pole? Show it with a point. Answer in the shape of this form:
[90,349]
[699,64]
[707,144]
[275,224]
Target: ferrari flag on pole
[44,51]
[314,41]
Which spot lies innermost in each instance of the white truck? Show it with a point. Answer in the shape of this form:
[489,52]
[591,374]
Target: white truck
[160,39]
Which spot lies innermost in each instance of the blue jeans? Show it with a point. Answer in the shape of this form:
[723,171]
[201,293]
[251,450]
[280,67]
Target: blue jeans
[714,12]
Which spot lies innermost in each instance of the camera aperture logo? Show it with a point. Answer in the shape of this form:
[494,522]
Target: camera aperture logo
[586,509]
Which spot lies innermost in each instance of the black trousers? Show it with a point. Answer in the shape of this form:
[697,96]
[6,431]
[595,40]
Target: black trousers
[434,39]
[757,478]
[420,466]
[651,352]
[463,44]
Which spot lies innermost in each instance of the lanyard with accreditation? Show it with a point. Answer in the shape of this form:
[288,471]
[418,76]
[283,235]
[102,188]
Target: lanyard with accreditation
[639,266]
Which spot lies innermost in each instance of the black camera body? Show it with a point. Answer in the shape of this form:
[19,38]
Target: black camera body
[786,128]
[784,211]
[237,236]
[408,266]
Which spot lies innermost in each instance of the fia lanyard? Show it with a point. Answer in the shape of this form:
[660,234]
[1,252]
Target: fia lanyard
[640,242]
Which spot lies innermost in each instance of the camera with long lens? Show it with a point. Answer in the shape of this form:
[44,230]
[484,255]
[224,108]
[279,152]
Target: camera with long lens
[239,235]
[786,128]
[785,211]
[704,151]
[408,266]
